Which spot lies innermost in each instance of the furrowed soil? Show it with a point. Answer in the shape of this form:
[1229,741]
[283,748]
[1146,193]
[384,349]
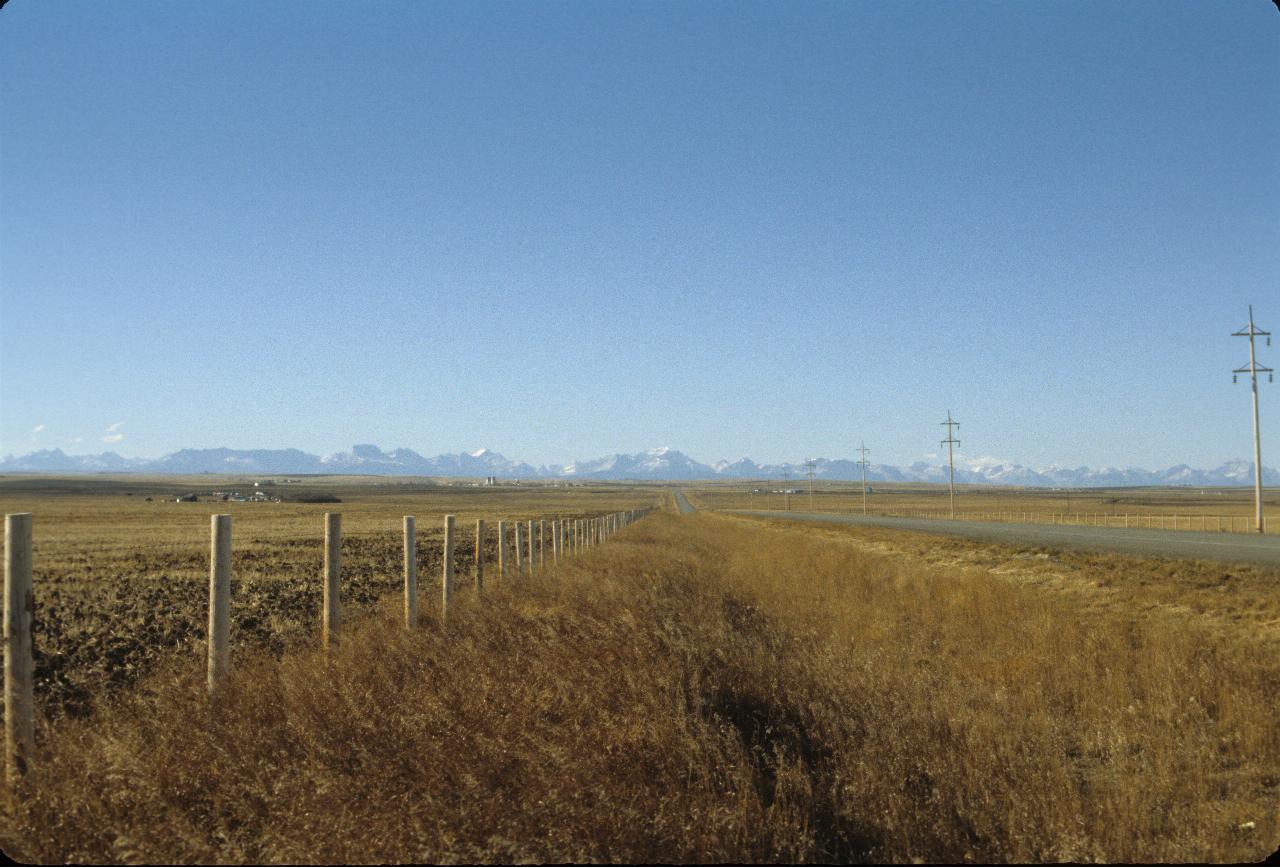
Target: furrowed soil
[121,581]
[701,688]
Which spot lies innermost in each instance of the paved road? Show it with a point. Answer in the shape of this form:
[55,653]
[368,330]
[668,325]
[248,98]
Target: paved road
[1222,547]
[681,503]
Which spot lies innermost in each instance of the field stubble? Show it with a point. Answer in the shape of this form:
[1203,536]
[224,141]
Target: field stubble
[122,582]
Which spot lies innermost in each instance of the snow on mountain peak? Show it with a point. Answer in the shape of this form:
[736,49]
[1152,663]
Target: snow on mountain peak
[658,463]
[984,463]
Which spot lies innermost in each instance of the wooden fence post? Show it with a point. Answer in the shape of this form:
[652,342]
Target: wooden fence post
[502,552]
[542,545]
[446,578]
[19,606]
[219,635]
[519,558]
[332,613]
[479,556]
[529,558]
[410,573]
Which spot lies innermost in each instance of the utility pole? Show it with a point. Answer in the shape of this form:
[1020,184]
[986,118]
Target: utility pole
[951,442]
[786,490]
[1253,370]
[809,466]
[862,447]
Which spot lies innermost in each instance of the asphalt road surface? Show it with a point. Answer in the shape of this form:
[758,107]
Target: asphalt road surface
[1221,547]
[681,503]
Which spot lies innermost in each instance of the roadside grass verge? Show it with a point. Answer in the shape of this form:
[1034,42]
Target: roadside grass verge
[696,690]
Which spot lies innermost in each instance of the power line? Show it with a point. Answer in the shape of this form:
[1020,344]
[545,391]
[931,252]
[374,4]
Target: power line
[862,447]
[809,466]
[1251,332]
[951,442]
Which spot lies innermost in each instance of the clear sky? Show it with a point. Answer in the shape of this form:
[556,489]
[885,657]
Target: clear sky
[566,229]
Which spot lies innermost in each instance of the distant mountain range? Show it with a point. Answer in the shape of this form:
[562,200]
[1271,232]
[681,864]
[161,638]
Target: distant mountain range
[655,464]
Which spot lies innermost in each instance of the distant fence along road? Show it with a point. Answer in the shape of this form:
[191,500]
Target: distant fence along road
[1217,546]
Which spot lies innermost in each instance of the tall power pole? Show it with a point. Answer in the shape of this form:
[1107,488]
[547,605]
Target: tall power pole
[786,490]
[809,466]
[951,442]
[1253,370]
[862,448]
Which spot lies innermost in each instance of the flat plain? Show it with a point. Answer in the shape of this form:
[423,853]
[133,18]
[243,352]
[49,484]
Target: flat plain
[122,570]
[1182,507]
[703,687]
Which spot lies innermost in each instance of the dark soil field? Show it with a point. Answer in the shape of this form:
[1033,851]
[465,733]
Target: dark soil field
[122,581]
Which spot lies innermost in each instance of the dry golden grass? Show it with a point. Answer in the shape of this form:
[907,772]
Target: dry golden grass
[701,688]
[1181,508]
[1241,601]
[121,581]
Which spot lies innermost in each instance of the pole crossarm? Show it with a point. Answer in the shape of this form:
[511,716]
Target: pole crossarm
[1254,369]
[864,451]
[950,433]
[1252,330]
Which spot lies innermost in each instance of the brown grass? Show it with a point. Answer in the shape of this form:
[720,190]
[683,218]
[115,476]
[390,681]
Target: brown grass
[120,581]
[701,688]
[1210,509]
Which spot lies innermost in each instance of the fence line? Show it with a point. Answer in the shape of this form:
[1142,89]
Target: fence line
[332,613]
[219,600]
[502,553]
[410,573]
[479,556]
[1129,520]
[1182,521]
[446,575]
[19,599]
[19,690]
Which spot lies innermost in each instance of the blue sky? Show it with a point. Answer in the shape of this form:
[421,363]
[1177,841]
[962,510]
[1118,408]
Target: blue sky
[566,229]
